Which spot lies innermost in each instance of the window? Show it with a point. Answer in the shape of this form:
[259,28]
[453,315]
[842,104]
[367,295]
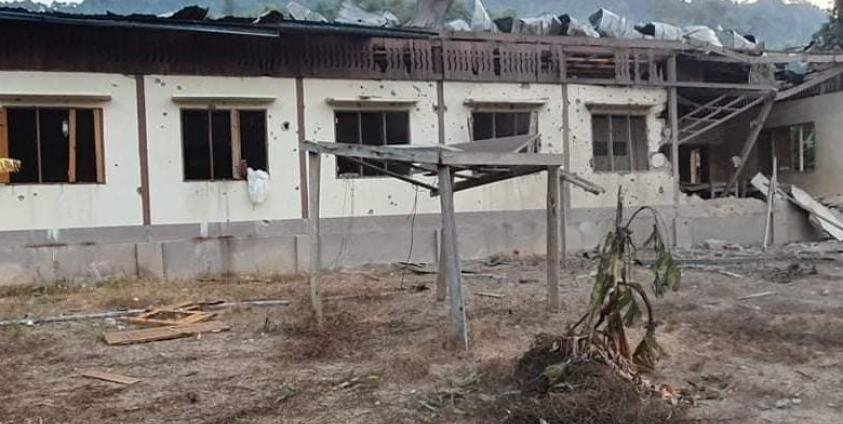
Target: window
[486,125]
[619,143]
[54,145]
[371,129]
[795,147]
[220,144]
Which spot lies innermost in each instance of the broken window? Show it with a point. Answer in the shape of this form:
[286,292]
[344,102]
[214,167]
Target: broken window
[795,147]
[54,145]
[220,144]
[487,125]
[619,143]
[371,129]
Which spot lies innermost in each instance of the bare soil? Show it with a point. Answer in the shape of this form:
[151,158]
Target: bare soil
[384,354]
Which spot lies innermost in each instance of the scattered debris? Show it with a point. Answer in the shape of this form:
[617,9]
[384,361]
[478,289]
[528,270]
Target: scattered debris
[162,333]
[729,274]
[118,314]
[493,295]
[757,295]
[792,272]
[820,216]
[181,314]
[110,377]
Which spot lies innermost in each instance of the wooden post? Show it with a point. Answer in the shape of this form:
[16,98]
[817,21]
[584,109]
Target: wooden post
[673,117]
[755,129]
[451,255]
[314,175]
[771,193]
[441,280]
[553,199]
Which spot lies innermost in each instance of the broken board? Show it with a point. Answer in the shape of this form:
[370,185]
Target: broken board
[110,377]
[820,216]
[162,333]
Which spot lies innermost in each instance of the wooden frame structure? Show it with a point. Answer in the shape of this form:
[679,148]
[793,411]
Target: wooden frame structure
[473,164]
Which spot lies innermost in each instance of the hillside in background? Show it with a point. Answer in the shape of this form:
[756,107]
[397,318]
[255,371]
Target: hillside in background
[781,24]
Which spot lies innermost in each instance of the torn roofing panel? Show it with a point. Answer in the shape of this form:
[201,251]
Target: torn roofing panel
[227,25]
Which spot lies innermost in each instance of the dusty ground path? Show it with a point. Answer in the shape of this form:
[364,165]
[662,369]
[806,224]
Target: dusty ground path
[382,359]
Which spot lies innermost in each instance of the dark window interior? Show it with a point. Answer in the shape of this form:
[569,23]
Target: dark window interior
[619,143]
[197,150]
[253,139]
[40,138]
[208,144]
[23,144]
[372,129]
[487,125]
[86,151]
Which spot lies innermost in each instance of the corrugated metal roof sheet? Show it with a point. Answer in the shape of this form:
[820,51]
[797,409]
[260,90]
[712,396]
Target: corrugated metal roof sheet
[225,25]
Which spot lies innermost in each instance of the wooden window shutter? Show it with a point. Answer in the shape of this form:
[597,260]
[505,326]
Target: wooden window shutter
[237,170]
[98,146]
[4,143]
[71,146]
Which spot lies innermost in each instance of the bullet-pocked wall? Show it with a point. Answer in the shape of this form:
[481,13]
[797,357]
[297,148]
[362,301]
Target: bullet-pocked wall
[175,198]
[824,112]
[654,186]
[58,205]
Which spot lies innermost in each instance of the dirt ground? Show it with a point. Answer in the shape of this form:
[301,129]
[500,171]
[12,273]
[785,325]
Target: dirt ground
[384,357]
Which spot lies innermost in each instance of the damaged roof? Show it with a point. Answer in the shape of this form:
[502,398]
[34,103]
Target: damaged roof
[196,19]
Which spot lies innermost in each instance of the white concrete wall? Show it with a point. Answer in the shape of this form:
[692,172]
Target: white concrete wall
[825,112]
[652,187]
[174,200]
[387,196]
[56,206]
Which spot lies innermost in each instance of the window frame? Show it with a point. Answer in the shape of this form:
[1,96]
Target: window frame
[627,116]
[72,109]
[238,172]
[383,112]
[797,157]
[532,125]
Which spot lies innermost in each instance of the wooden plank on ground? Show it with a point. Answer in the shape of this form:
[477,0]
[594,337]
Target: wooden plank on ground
[110,377]
[162,333]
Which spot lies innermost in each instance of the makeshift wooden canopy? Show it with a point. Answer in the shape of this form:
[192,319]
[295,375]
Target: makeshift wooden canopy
[458,167]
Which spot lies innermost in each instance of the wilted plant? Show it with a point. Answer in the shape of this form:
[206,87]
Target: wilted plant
[618,302]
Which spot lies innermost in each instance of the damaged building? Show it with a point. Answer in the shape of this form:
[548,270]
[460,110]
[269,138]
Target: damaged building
[171,147]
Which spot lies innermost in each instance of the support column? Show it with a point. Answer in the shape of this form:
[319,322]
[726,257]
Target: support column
[315,279]
[451,255]
[302,136]
[553,208]
[143,150]
[566,188]
[755,129]
[441,283]
[673,117]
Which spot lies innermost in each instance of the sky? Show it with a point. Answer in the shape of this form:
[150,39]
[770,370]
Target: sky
[821,3]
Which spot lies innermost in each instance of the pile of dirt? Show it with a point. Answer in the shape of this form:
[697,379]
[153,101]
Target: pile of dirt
[558,388]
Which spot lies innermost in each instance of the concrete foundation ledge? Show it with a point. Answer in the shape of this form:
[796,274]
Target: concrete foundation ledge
[177,252]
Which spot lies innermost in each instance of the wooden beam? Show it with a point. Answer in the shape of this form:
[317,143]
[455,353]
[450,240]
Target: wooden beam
[423,155]
[441,278]
[501,159]
[453,271]
[392,174]
[722,120]
[580,182]
[817,79]
[143,149]
[237,172]
[553,209]
[301,133]
[314,172]
[756,126]
[4,143]
[71,146]
[673,118]
[493,178]
[99,151]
